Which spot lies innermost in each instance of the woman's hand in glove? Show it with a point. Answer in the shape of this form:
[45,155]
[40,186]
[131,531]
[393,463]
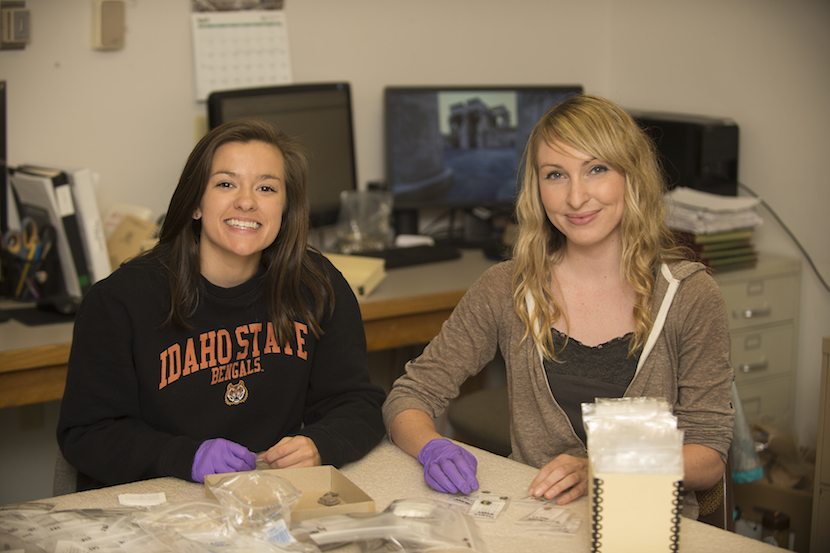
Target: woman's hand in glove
[448,467]
[220,455]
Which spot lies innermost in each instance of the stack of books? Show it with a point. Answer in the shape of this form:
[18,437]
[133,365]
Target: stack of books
[721,251]
[718,229]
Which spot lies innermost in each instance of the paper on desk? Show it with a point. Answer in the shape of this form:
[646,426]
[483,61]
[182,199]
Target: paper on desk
[698,212]
[715,203]
[141,499]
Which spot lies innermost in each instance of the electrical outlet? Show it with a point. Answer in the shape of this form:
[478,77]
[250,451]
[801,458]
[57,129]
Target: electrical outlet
[108,24]
[14,25]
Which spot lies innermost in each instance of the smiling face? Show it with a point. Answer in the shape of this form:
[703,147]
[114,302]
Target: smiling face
[583,197]
[241,210]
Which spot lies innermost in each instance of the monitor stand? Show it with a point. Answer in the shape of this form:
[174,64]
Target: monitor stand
[476,230]
[406,221]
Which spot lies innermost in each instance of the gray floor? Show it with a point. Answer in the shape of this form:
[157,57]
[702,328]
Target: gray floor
[27,451]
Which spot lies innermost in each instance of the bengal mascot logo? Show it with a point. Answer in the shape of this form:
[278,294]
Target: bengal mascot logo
[236,393]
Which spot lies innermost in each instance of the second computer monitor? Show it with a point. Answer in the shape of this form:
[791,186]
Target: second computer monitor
[320,115]
[460,146]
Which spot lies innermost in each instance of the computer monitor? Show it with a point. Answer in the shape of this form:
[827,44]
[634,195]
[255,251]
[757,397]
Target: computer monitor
[459,147]
[320,115]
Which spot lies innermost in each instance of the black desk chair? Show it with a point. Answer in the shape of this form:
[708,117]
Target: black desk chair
[66,477]
[482,419]
[717,504]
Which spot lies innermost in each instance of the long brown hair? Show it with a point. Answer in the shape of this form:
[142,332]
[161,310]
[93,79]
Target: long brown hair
[602,130]
[288,267]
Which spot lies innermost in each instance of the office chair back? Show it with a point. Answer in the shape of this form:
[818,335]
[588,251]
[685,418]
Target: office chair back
[717,505]
[482,419]
[66,476]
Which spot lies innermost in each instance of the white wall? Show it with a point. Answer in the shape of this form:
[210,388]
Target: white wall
[130,115]
[127,115]
[765,64]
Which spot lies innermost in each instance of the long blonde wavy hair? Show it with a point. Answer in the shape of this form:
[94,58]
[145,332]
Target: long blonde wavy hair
[602,130]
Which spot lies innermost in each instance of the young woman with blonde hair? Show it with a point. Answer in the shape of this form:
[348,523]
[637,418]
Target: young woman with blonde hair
[596,302]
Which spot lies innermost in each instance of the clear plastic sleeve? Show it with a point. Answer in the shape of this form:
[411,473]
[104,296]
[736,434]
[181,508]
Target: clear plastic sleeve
[406,526]
[634,436]
[364,223]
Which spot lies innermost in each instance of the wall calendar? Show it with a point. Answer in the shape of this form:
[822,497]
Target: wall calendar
[239,49]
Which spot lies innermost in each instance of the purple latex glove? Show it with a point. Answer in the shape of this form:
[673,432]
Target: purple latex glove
[220,455]
[448,467]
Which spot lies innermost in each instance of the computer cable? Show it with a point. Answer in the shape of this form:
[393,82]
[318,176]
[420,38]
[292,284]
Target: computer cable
[789,233]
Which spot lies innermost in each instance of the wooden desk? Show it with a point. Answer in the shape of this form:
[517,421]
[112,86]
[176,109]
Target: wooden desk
[411,304]
[387,473]
[33,362]
[406,309]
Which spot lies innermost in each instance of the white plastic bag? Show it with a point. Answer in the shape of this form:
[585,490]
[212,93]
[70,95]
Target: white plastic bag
[365,221]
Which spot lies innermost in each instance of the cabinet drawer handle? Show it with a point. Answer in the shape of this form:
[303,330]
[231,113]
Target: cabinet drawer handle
[752,313]
[752,367]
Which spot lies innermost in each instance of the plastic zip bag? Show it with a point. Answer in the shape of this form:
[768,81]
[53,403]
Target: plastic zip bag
[260,504]
[633,435]
[406,526]
[364,223]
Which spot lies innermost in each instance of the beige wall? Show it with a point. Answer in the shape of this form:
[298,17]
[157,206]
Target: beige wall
[130,115]
[765,64]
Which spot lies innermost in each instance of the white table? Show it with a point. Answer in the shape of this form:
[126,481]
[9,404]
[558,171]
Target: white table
[387,473]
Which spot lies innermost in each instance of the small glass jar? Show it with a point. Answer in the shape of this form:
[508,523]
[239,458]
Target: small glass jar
[776,529]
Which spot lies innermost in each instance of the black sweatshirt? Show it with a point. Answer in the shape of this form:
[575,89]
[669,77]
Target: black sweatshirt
[141,398]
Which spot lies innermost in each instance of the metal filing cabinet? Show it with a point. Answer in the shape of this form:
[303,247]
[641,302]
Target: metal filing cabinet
[821,491]
[762,304]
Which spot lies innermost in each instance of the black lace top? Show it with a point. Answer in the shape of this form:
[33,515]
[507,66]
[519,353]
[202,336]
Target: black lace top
[582,373]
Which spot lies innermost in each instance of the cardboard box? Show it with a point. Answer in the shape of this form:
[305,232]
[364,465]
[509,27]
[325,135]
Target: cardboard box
[314,482]
[764,495]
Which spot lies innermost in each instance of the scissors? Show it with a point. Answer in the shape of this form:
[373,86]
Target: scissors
[24,244]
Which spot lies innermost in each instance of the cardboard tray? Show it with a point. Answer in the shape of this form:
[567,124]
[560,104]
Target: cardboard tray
[314,482]
[762,494]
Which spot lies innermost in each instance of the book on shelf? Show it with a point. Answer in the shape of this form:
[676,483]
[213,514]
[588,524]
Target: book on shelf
[91,226]
[722,251]
[690,238]
[732,263]
[718,246]
[46,196]
[727,253]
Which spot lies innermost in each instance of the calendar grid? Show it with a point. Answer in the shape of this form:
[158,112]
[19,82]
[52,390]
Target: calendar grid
[240,49]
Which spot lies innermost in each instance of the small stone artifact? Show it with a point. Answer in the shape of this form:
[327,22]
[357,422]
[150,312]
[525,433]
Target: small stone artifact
[329,499]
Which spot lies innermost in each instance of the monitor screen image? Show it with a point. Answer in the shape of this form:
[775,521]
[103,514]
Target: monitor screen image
[320,115]
[460,147]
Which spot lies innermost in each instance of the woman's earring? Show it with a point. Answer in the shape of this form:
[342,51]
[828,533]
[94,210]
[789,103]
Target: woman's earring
[197,215]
